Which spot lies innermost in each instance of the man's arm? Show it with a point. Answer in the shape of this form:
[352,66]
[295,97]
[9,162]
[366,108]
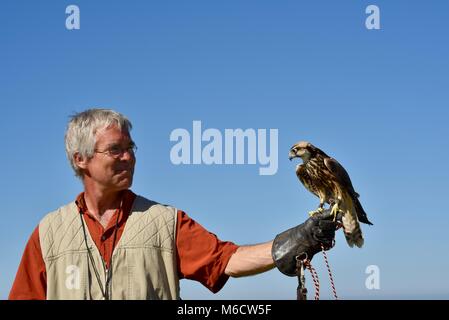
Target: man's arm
[304,240]
[31,278]
[250,260]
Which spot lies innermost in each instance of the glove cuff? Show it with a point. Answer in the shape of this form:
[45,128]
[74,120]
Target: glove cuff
[286,250]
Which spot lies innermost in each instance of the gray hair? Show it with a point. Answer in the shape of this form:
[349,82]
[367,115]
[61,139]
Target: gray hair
[81,129]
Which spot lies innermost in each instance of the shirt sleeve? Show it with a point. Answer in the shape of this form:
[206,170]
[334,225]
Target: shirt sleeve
[31,279]
[201,255]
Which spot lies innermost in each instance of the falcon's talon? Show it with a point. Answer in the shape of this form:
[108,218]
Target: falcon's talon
[312,213]
[334,212]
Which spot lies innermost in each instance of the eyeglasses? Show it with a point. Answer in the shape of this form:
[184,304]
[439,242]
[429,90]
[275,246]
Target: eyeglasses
[117,151]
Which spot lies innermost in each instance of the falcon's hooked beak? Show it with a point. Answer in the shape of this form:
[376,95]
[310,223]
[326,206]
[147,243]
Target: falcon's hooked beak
[301,150]
[292,155]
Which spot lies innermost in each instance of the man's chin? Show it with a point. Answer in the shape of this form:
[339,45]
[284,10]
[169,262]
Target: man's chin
[122,186]
[124,181]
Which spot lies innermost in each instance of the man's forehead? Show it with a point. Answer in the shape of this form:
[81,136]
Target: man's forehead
[111,134]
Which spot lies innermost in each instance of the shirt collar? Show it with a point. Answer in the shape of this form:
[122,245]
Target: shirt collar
[128,200]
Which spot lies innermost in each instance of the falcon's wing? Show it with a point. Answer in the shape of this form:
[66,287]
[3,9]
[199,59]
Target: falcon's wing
[343,179]
[340,174]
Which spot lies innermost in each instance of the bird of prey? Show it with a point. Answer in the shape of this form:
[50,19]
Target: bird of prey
[328,180]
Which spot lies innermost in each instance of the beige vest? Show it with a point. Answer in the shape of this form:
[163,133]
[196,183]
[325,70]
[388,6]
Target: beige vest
[143,263]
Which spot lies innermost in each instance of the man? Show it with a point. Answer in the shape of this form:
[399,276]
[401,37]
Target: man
[112,244]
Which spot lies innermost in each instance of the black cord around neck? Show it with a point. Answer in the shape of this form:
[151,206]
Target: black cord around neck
[105,290]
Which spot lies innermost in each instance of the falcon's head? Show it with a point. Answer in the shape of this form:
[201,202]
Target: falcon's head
[303,150]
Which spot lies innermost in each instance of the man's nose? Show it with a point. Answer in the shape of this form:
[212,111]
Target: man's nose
[127,155]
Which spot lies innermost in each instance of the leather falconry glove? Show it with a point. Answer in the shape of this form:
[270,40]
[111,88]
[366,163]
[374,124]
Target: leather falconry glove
[303,241]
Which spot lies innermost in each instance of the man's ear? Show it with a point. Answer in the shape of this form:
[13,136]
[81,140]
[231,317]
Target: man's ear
[80,161]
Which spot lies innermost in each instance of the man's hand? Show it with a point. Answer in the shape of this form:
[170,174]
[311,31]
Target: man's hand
[303,241]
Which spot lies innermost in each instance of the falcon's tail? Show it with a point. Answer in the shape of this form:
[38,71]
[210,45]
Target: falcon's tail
[361,214]
[351,225]
[353,233]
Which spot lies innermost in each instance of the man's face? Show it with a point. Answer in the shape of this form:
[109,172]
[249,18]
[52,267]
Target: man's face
[106,170]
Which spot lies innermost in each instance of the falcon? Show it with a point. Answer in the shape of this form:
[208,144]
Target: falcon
[328,180]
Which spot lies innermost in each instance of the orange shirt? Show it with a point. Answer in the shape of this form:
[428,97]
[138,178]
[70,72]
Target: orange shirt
[201,256]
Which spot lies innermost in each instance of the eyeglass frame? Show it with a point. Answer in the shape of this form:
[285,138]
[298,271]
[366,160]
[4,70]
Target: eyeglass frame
[131,150]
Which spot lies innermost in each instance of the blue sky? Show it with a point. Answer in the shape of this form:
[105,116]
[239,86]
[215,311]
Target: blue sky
[376,100]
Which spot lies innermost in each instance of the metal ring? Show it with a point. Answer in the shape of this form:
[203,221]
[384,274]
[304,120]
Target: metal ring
[302,254]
